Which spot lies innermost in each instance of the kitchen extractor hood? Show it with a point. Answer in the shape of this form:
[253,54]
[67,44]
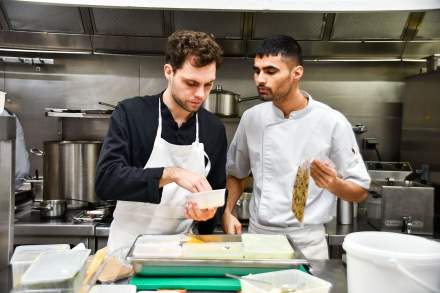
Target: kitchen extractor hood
[76,27]
[257,5]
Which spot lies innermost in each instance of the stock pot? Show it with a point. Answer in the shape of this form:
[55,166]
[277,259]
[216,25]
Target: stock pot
[69,171]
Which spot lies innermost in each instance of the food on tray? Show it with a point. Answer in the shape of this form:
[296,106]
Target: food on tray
[261,246]
[222,247]
[213,250]
[159,246]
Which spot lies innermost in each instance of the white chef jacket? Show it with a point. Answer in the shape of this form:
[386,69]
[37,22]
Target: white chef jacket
[272,147]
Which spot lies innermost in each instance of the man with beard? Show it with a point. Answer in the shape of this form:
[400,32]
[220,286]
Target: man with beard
[161,148]
[274,138]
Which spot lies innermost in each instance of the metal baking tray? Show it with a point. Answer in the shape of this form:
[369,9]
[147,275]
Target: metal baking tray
[296,261]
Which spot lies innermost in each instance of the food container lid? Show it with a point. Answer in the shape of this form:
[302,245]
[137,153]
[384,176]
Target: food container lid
[28,253]
[55,266]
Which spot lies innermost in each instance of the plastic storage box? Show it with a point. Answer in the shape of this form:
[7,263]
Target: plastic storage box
[304,283]
[208,199]
[56,270]
[25,255]
[260,246]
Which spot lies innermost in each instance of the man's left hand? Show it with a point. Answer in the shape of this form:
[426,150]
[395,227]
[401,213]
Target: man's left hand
[193,212]
[324,175]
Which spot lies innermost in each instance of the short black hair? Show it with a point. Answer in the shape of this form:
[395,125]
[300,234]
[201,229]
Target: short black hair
[281,44]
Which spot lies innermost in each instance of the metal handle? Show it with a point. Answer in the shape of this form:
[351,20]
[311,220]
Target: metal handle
[239,100]
[37,152]
[107,104]
[407,224]
[46,208]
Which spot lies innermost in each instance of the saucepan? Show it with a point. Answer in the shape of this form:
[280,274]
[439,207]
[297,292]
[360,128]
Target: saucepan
[225,103]
[54,208]
[242,206]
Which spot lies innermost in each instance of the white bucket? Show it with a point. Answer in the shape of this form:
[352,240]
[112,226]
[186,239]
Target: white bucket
[392,263]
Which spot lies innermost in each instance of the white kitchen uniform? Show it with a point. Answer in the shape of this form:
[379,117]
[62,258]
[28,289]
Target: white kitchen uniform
[272,147]
[133,218]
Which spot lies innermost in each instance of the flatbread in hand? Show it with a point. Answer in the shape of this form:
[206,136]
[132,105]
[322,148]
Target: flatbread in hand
[300,192]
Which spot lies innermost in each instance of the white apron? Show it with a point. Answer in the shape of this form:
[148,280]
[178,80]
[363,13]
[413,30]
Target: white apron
[133,218]
[281,156]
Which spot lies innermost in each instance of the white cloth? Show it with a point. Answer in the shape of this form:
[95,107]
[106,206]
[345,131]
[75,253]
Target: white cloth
[22,164]
[133,218]
[272,147]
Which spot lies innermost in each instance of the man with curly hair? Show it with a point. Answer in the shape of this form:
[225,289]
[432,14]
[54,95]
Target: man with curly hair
[160,148]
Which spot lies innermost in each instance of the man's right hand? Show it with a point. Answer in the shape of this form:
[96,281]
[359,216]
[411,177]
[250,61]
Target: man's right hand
[231,225]
[184,178]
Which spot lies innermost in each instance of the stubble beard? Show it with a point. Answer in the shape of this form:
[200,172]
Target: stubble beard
[180,102]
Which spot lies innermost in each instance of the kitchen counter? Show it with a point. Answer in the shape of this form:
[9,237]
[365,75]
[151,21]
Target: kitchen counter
[33,224]
[332,271]
[31,228]
[336,232]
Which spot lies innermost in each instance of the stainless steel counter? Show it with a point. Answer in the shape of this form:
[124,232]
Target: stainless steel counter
[34,226]
[332,271]
[33,229]
[336,232]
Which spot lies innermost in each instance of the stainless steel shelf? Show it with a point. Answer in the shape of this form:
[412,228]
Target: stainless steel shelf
[76,115]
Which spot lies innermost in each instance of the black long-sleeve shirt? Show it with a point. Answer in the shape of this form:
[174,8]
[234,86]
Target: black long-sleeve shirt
[120,173]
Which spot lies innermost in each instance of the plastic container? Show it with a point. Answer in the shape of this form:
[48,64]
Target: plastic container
[56,270]
[392,263]
[25,255]
[261,246]
[304,282]
[208,199]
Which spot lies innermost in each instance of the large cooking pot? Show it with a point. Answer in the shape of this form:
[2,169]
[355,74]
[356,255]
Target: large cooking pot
[224,103]
[69,171]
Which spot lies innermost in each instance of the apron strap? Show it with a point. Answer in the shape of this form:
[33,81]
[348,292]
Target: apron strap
[159,125]
[208,165]
[197,127]
[159,134]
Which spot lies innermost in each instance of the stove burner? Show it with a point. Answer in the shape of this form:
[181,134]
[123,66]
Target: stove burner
[99,215]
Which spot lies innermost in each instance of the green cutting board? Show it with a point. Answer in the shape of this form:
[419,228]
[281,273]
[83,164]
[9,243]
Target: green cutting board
[197,284]
[198,271]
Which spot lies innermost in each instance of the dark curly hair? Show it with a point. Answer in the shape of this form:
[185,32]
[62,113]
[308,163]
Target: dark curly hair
[201,46]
